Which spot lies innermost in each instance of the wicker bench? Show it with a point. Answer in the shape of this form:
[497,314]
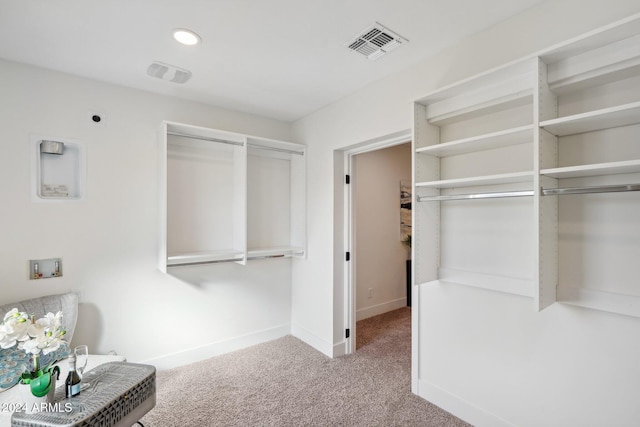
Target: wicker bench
[119,394]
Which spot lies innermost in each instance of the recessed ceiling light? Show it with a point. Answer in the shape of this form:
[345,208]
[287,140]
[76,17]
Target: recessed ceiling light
[187,37]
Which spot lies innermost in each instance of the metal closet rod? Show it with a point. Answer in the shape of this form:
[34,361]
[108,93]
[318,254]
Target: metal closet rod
[217,261]
[545,192]
[591,189]
[185,264]
[495,195]
[206,138]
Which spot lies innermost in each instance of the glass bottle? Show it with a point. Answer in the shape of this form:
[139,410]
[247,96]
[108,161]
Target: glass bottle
[72,384]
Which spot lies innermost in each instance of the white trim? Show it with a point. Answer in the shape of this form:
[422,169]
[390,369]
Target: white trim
[349,270]
[396,138]
[313,340]
[459,406]
[374,310]
[393,139]
[340,349]
[196,354]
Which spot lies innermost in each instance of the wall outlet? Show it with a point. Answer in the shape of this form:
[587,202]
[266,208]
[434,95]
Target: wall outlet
[370,293]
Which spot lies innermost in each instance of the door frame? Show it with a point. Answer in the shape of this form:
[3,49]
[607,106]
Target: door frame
[349,309]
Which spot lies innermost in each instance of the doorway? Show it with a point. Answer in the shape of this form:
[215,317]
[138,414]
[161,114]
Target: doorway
[375,266]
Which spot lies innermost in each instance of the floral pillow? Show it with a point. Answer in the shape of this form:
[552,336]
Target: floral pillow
[15,361]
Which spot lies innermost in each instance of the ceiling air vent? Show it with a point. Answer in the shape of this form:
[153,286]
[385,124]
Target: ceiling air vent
[167,72]
[375,41]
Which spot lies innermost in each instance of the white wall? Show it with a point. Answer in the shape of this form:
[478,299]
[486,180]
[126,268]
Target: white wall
[379,254]
[109,242]
[488,357]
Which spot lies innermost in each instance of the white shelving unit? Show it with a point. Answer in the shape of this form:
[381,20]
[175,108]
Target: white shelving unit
[276,199]
[461,134]
[565,118]
[595,84]
[228,197]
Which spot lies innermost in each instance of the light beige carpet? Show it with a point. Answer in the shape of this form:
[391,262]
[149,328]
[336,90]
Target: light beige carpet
[285,382]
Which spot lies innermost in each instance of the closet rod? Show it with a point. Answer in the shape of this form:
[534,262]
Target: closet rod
[586,190]
[496,195]
[217,261]
[185,264]
[206,138]
[282,150]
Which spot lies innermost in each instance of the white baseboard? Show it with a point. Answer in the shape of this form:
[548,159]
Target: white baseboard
[340,349]
[375,310]
[220,347]
[313,340]
[459,407]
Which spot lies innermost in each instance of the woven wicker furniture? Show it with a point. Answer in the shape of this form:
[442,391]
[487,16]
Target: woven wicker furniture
[119,394]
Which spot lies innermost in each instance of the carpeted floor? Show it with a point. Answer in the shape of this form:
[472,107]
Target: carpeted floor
[285,382]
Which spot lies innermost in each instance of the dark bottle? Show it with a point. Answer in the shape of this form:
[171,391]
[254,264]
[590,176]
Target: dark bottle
[72,384]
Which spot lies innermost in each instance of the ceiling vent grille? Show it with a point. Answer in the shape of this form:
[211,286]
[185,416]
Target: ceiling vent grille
[375,41]
[167,72]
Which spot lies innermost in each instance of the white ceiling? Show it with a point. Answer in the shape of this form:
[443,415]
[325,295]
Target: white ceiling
[282,59]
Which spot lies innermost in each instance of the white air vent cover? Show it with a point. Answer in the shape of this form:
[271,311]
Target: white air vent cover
[375,41]
[167,72]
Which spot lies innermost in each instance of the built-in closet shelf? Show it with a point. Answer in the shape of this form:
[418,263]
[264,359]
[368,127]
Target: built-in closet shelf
[229,197]
[621,115]
[504,138]
[499,89]
[596,78]
[600,300]
[230,255]
[507,178]
[596,67]
[284,251]
[520,287]
[610,168]
[443,115]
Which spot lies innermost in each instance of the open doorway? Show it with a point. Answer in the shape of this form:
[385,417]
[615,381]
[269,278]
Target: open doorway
[376,276]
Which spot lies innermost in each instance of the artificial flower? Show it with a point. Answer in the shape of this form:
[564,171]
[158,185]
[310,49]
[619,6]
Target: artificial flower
[13,328]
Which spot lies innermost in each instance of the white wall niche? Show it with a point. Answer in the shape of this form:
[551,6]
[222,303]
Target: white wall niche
[57,178]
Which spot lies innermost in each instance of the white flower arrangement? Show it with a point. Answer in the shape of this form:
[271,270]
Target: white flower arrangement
[44,335]
[33,336]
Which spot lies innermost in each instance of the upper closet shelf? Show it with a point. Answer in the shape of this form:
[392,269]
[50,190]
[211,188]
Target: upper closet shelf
[204,134]
[621,115]
[507,178]
[607,35]
[496,90]
[611,168]
[505,138]
[597,67]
